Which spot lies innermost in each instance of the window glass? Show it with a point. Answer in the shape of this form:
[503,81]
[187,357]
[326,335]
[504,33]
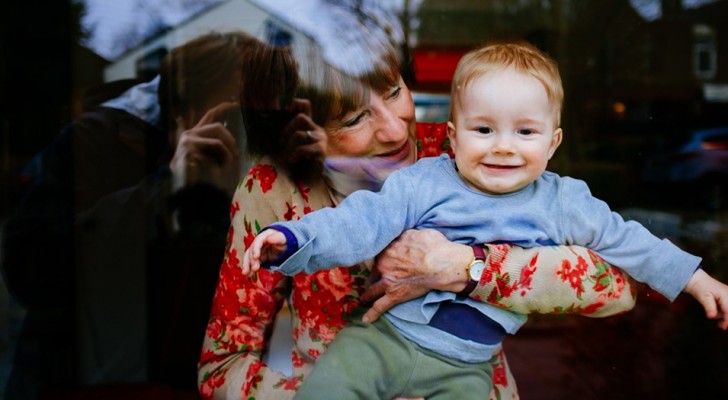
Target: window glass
[645,124]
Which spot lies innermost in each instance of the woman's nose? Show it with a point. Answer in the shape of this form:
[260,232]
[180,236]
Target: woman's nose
[390,128]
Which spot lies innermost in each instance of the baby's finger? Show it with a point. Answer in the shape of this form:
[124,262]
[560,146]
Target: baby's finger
[246,262]
[723,312]
[709,304]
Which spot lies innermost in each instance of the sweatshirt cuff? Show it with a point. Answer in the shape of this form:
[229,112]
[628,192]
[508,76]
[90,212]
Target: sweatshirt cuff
[291,246]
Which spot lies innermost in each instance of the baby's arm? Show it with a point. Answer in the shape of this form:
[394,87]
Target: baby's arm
[266,246]
[712,294]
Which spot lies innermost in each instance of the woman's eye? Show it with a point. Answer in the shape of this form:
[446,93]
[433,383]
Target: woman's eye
[484,129]
[394,92]
[356,119]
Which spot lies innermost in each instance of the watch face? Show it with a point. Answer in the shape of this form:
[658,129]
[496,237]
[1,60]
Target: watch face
[476,270]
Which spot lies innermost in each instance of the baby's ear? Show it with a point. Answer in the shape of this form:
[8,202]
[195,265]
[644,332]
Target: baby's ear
[451,134]
[555,142]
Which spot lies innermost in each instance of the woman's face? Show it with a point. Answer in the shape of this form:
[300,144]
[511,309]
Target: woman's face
[383,128]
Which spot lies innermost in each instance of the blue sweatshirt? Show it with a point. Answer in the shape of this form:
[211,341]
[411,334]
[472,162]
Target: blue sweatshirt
[430,194]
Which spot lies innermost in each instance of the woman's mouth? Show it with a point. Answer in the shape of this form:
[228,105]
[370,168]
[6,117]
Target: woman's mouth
[397,154]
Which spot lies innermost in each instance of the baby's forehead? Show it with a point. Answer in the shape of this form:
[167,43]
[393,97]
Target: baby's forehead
[503,81]
[468,95]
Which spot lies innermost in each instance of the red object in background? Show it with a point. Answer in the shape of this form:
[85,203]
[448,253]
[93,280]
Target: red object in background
[434,67]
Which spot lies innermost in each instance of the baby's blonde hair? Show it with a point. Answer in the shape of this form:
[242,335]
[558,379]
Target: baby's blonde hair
[522,56]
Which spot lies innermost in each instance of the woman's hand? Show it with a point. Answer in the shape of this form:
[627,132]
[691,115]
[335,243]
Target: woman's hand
[412,265]
[301,138]
[207,152]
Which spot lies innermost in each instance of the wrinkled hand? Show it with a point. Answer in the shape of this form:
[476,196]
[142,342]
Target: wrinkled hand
[301,138]
[412,265]
[208,153]
[711,294]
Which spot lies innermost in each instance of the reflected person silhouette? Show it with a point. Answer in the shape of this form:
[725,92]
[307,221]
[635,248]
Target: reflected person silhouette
[115,247]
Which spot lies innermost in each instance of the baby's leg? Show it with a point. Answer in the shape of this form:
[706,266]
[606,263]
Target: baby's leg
[363,362]
[438,378]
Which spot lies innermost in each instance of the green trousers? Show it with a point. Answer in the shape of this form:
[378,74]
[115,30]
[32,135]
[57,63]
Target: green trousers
[373,361]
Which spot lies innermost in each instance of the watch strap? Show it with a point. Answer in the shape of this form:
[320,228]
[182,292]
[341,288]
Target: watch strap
[478,254]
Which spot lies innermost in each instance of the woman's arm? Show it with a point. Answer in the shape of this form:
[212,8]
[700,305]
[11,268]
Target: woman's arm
[244,309]
[556,279]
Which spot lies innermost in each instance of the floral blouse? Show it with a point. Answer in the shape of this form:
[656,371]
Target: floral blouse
[244,309]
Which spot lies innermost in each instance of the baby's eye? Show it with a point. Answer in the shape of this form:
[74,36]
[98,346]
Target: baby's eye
[525,132]
[484,129]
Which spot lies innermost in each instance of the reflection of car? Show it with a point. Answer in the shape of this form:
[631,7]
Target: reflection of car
[431,107]
[695,171]
[704,157]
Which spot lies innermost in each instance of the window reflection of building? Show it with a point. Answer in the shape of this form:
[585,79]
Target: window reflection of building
[704,52]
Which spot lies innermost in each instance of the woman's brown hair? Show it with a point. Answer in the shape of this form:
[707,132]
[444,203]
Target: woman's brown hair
[191,71]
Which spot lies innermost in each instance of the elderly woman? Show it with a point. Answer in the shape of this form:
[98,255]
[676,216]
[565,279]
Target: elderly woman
[369,123]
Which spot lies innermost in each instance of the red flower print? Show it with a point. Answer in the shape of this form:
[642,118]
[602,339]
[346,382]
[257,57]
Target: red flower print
[324,302]
[210,382]
[289,383]
[214,329]
[265,174]
[230,236]
[432,140]
[297,360]
[208,356]
[495,262]
[234,208]
[594,307]
[226,302]
[249,233]
[252,378]
[304,190]
[494,273]
[499,373]
[336,281]
[314,353]
[527,276]
[290,212]
[575,275]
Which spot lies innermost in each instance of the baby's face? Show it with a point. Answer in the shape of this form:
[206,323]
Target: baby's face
[503,132]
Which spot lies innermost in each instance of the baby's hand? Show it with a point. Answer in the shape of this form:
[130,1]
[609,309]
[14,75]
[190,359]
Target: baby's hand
[712,294]
[268,245]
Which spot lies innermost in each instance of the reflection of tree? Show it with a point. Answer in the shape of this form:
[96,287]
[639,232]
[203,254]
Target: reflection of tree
[466,23]
[154,17]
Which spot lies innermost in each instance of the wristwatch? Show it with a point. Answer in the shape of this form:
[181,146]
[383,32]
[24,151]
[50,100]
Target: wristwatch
[474,271]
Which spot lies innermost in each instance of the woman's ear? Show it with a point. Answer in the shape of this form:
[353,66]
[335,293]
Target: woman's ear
[451,134]
[555,141]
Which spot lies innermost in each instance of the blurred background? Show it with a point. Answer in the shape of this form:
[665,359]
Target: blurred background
[645,123]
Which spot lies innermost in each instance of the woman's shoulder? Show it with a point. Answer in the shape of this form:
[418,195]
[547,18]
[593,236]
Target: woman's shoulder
[269,184]
[266,176]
